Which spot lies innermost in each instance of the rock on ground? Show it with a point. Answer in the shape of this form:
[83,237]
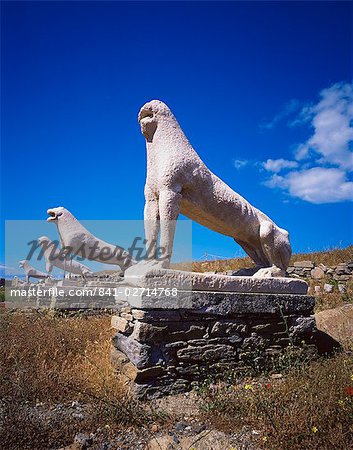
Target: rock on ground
[337,323]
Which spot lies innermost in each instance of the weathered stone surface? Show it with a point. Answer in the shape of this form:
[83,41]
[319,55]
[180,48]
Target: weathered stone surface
[227,328]
[342,288]
[173,331]
[255,342]
[337,323]
[141,376]
[144,277]
[206,353]
[233,339]
[141,355]
[304,264]
[343,269]
[193,369]
[218,333]
[303,326]
[317,273]
[341,277]
[226,303]
[177,344]
[126,316]
[145,332]
[120,324]
[328,287]
[155,316]
[272,327]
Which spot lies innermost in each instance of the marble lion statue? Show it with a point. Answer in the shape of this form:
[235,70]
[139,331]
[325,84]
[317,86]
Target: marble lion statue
[54,258]
[82,243]
[179,182]
[31,272]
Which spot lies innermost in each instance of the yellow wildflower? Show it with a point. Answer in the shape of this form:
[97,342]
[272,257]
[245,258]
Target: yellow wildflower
[314,429]
[340,402]
[265,438]
[248,387]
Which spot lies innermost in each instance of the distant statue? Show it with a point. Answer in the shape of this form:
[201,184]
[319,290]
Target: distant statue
[16,281]
[57,258]
[31,271]
[83,243]
[179,182]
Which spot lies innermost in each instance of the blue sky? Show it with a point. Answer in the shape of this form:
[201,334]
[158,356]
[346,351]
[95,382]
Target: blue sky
[262,90]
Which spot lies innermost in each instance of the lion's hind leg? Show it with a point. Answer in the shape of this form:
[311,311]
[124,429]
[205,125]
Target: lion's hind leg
[276,247]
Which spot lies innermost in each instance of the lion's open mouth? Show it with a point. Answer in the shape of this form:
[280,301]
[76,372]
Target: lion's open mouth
[145,113]
[53,215]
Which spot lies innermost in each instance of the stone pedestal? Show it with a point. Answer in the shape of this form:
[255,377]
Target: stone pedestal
[167,345]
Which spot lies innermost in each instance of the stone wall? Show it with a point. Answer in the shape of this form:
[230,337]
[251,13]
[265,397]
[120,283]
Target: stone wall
[309,270]
[334,277]
[165,350]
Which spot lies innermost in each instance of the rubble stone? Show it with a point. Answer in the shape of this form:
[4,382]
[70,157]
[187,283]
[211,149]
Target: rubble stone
[167,351]
[317,273]
[304,264]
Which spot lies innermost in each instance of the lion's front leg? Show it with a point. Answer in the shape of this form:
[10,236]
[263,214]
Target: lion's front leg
[169,209]
[151,224]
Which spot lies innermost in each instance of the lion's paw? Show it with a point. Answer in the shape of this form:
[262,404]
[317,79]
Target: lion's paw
[270,272]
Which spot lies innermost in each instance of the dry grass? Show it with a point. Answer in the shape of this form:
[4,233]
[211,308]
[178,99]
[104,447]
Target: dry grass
[55,360]
[328,300]
[46,359]
[310,408]
[222,265]
[330,257]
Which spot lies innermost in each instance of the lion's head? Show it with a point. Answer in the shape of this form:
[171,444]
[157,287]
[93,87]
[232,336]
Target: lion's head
[149,116]
[55,213]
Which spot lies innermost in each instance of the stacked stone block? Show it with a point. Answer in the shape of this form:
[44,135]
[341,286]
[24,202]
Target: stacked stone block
[168,350]
[342,273]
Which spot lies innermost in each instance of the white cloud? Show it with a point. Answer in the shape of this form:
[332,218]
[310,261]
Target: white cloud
[325,160]
[276,165]
[239,163]
[316,185]
[331,119]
